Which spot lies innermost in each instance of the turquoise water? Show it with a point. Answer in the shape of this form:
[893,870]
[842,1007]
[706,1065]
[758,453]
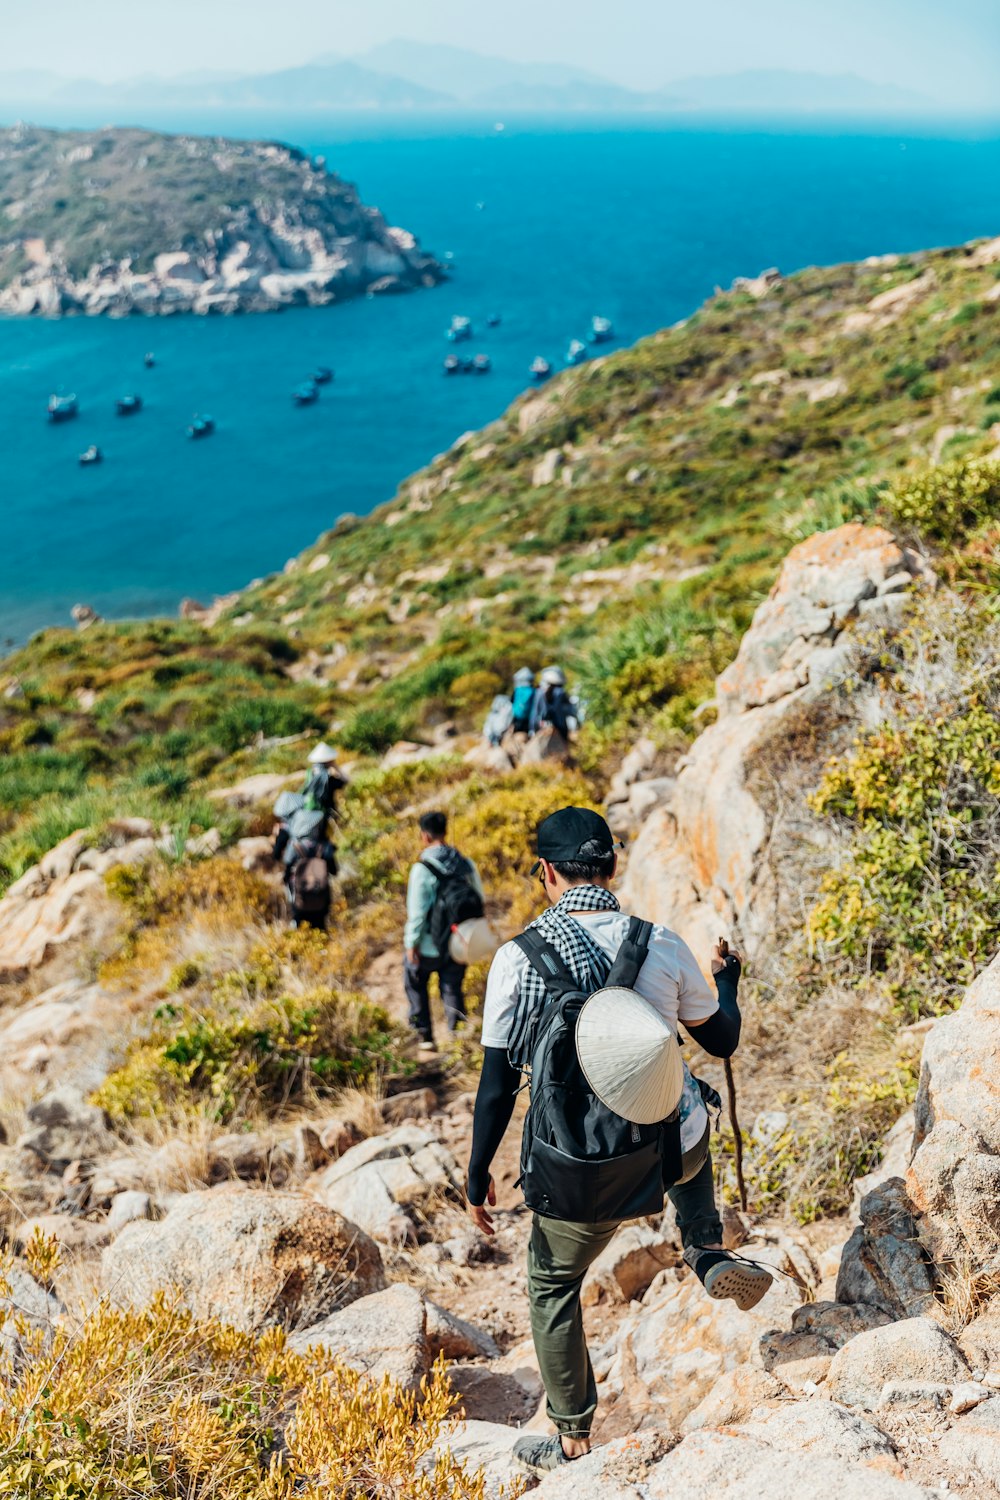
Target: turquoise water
[637,222]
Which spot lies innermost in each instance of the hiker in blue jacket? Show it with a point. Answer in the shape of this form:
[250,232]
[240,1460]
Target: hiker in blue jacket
[522,700]
[438,865]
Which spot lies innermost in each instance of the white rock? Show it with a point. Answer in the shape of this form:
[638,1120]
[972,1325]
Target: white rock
[914,1349]
[383,1334]
[126,1207]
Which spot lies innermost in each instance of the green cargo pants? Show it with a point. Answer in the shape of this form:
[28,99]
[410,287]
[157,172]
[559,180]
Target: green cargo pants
[559,1255]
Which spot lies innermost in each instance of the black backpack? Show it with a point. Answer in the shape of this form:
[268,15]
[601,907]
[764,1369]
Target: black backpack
[456,900]
[579,1160]
[309,877]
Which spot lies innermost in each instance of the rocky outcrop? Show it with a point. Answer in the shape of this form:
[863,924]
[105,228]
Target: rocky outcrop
[269,228]
[254,1259]
[697,863]
[62,900]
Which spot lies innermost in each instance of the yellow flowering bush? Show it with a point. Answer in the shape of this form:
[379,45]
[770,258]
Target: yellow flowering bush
[128,1404]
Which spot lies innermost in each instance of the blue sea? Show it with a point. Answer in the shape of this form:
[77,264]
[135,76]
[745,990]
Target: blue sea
[547,223]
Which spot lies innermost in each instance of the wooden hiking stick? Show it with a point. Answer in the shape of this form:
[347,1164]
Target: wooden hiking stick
[741,1185]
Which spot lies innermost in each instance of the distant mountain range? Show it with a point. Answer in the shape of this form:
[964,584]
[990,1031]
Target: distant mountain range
[402,75]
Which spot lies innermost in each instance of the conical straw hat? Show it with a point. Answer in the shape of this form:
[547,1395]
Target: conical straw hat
[630,1056]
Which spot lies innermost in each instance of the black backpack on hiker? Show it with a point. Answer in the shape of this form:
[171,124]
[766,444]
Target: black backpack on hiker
[309,876]
[579,1160]
[455,901]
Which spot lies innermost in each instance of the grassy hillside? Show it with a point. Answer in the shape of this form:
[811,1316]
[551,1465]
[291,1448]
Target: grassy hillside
[626,520]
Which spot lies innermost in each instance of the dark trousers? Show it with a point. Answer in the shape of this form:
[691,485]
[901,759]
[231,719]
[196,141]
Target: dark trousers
[315,919]
[559,1256]
[416,981]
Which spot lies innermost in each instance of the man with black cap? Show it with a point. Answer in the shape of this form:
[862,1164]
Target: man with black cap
[577,860]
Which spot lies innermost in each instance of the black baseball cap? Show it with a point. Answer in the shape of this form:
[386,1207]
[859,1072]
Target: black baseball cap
[573,833]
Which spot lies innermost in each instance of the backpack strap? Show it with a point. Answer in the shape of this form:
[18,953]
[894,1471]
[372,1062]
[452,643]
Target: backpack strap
[631,955]
[547,964]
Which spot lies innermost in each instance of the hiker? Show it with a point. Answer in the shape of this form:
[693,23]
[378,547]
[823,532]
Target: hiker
[583,1180]
[310,861]
[522,699]
[324,781]
[552,704]
[498,720]
[444,889]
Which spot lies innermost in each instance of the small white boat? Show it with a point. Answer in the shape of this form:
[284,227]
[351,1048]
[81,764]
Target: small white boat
[62,408]
[540,369]
[576,353]
[91,455]
[459,329]
[601,330]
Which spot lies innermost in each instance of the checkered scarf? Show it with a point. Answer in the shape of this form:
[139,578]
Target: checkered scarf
[585,959]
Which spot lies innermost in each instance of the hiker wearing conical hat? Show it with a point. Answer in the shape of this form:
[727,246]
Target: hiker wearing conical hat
[552,704]
[589,1001]
[324,781]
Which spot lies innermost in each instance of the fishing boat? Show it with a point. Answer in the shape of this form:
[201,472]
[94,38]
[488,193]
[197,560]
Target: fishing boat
[91,455]
[481,364]
[322,375]
[201,427]
[62,408]
[452,364]
[306,393]
[601,330]
[459,329]
[126,406]
[540,369]
[149,360]
[576,353]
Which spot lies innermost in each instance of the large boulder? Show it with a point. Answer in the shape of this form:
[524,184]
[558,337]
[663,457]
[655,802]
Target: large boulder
[386,1182]
[254,1259]
[954,1177]
[698,857]
[915,1349]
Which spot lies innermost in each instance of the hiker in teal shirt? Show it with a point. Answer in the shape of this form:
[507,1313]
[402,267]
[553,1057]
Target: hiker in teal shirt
[422,955]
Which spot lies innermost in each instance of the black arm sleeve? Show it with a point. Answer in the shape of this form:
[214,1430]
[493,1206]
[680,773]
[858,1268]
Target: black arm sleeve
[720,1034]
[280,843]
[498,1086]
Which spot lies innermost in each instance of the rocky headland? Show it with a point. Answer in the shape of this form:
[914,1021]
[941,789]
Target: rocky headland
[120,221]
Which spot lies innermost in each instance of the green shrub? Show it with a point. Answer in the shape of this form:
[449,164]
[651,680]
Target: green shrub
[226,1061]
[947,503]
[371,731]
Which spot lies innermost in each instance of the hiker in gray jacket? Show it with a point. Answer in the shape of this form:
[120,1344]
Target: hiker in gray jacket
[440,875]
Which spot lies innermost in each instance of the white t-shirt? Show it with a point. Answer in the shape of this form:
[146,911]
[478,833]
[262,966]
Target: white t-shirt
[669,979]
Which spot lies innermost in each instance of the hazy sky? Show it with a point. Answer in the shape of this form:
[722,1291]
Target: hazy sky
[949,49]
